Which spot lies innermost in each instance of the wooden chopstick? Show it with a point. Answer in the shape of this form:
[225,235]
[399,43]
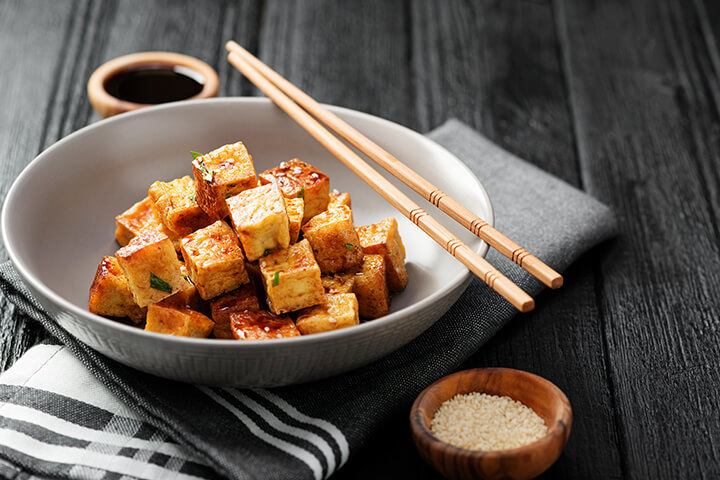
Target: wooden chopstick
[409,177]
[478,265]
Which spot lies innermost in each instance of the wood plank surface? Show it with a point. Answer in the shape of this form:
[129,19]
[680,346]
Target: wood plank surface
[644,121]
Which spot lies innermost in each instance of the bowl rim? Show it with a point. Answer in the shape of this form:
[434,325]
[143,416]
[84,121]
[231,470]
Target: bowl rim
[12,198]
[560,430]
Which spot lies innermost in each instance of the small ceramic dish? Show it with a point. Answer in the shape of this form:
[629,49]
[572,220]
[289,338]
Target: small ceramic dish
[59,220]
[143,79]
[529,461]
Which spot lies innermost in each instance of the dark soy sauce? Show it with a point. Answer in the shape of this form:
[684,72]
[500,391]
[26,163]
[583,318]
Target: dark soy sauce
[153,84]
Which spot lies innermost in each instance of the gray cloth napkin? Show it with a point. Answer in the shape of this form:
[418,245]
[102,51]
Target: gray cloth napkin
[304,431]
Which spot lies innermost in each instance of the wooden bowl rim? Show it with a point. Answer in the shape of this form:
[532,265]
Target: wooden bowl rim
[560,429]
[104,102]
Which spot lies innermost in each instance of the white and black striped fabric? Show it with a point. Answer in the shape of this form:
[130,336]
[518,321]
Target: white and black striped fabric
[68,412]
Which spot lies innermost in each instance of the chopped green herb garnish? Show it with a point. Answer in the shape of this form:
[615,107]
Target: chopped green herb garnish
[349,247]
[195,154]
[159,284]
[228,195]
[276,279]
[186,278]
[192,197]
[266,253]
[207,175]
[302,192]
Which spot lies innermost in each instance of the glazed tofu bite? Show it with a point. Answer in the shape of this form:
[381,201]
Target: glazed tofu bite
[338,283]
[335,312]
[384,239]
[337,198]
[174,319]
[176,207]
[298,179]
[214,260]
[138,219]
[334,240]
[220,174]
[110,294]
[371,287]
[261,325]
[291,278]
[152,268]
[295,210]
[244,298]
[260,219]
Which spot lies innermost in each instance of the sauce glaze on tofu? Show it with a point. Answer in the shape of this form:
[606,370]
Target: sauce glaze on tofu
[266,256]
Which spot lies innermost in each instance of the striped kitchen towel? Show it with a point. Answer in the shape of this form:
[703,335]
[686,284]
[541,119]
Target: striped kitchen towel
[68,412]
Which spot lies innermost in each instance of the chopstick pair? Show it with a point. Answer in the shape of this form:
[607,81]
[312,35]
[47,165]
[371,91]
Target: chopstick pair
[285,95]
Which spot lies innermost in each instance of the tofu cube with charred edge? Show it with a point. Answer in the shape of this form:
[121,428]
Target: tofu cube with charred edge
[244,298]
[110,294]
[337,198]
[175,205]
[174,319]
[336,311]
[334,240]
[220,174]
[371,287]
[338,283]
[384,239]
[261,325]
[298,179]
[260,220]
[138,219]
[295,208]
[291,278]
[214,260]
[151,267]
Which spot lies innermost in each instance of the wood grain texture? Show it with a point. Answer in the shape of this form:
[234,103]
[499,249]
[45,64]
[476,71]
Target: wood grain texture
[644,117]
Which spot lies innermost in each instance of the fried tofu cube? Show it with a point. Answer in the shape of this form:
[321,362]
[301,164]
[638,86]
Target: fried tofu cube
[371,287]
[214,260]
[110,294]
[291,278]
[244,298]
[176,206]
[335,312]
[188,298]
[295,211]
[334,240]
[220,174]
[174,319]
[260,220]
[337,198]
[384,239]
[338,283]
[151,267]
[298,179]
[138,219]
[261,325]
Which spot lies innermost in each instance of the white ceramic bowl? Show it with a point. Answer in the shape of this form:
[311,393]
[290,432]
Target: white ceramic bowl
[59,219]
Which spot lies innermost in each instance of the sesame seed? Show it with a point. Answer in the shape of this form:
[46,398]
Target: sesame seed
[478,421]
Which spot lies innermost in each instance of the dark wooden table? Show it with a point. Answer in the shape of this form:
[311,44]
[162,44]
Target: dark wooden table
[619,98]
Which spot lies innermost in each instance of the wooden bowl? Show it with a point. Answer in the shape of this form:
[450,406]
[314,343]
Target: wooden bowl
[106,105]
[529,461]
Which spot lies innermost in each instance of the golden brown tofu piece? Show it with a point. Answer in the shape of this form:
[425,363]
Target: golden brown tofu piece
[295,209]
[291,278]
[335,312]
[174,319]
[371,287]
[337,198]
[384,239]
[260,220]
[298,179]
[214,260]
[176,207]
[261,325]
[244,298]
[151,267]
[220,174]
[334,240]
[338,282]
[188,298]
[110,294]
[141,218]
